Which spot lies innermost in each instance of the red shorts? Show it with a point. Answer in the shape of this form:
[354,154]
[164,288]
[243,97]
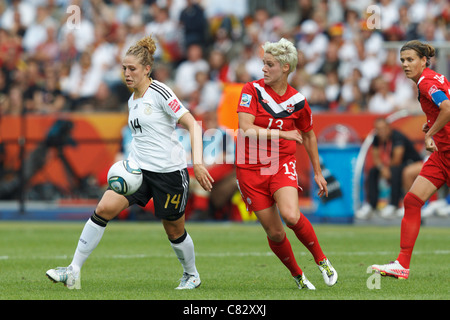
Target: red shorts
[257,189]
[437,169]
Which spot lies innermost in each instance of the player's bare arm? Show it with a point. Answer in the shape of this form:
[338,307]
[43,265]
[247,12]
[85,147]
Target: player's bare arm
[310,143]
[201,173]
[442,119]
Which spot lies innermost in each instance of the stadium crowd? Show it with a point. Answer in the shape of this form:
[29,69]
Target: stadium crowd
[65,55]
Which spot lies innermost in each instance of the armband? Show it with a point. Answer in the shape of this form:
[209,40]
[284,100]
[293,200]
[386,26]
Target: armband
[438,97]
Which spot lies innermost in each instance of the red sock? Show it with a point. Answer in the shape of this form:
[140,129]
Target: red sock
[283,251]
[306,234]
[410,228]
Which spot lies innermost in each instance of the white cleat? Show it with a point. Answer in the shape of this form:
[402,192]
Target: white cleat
[66,276]
[392,269]
[329,274]
[189,281]
[303,283]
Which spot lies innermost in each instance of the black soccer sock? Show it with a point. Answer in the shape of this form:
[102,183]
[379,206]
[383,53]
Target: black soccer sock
[102,222]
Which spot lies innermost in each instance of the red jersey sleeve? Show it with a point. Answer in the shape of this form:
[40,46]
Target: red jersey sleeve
[248,100]
[430,86]
[305,121]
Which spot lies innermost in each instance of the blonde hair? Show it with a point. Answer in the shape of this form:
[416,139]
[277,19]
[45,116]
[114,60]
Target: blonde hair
[143,50]
[422,49]
[283,51]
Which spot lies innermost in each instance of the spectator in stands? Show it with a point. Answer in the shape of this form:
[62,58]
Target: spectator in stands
[346,50]
[194,24]
[83,33]
[333,89]
[391,69]
[10,51]
[353,92]
[49,50]
[18,16]
[68,52]
[208,91]
[46,97]
[317,98]
[313,44]
[36,33]
[429,31]
[393,154]
[249,60]
[406,26]
[368,64]
[219,68]
[381,100]
[389,14]
[102,52]
[331,61]
[185,74]
[14,104]
[83,82]
[165,31]
[306,10]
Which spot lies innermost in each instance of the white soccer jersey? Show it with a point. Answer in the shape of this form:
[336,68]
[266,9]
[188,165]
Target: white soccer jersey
[152,120]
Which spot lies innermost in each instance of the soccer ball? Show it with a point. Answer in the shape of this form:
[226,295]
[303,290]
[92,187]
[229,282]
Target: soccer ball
[124,177]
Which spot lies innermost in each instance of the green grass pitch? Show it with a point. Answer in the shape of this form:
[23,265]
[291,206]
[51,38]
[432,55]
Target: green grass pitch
[134,261]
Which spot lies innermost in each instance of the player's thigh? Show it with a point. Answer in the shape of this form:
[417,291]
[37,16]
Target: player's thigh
[423,188]
[111,204]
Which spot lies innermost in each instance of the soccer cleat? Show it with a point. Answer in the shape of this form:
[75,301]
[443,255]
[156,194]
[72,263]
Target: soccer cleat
[392,269]
[329,274]
[189,281]
[65,276]
[303,283]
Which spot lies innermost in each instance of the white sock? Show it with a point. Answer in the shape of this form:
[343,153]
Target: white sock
[186,254]
[90,237]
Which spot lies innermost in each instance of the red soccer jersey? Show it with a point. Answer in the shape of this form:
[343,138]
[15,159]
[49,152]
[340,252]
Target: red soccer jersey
[271,111]
[429,83]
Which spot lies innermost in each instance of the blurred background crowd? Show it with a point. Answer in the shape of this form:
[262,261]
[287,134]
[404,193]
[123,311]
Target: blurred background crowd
[65,55]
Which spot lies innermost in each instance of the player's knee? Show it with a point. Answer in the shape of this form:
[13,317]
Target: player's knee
[412,201]
[276,235]
[106,211]
[291,217]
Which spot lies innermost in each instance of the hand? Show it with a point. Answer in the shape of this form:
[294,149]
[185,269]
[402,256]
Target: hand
[292,135]
[322,184]
[203,177]
[425,127]
[429,144]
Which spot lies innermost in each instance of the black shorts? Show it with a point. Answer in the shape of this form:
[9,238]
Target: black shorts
[168,190]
